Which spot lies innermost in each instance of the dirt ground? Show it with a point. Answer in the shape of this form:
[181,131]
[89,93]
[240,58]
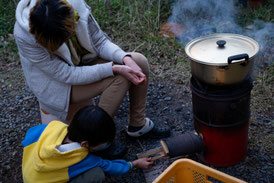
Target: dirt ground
[168,103]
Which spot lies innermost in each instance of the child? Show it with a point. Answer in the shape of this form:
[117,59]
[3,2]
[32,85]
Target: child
[58,153]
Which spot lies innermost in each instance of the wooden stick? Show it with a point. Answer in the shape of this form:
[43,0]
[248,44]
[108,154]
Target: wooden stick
[161,151]
[150,152]
[158,157]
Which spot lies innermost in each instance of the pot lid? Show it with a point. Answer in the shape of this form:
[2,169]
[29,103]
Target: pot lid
[215,49]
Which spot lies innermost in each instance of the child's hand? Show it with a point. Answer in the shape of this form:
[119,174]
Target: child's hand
[143,163]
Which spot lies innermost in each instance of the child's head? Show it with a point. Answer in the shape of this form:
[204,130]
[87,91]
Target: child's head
[92,124]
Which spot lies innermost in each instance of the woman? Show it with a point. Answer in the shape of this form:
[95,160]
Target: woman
[67,59]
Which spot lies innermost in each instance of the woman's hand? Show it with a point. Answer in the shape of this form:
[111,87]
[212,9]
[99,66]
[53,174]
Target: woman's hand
[128,61]
[143,163]
[131,63]
[136,77]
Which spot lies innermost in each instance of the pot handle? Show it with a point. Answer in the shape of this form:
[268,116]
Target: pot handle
[237,57]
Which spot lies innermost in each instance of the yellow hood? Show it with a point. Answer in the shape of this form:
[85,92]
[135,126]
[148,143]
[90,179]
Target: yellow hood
[47,158]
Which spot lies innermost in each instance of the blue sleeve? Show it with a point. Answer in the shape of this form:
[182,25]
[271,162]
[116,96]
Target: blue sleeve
[33,134]
[115,167]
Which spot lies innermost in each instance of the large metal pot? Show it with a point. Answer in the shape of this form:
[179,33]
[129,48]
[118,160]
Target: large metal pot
[222,59]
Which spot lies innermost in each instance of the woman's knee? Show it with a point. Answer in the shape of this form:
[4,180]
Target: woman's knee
[141,60]
[122,82]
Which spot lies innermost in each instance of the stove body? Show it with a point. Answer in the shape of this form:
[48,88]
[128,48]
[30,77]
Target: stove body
[221,114]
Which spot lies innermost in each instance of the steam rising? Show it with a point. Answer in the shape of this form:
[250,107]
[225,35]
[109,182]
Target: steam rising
[204,17]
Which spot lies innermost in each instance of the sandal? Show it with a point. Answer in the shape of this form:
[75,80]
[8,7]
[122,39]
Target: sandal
[151,131]
[146,128]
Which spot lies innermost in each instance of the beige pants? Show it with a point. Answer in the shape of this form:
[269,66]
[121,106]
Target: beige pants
[112,91]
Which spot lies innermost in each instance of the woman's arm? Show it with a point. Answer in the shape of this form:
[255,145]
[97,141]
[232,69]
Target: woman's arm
[106,49]
[59,70]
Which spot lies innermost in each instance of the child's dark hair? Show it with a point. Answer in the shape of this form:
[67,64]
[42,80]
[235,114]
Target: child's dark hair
[92,124]
[52,23]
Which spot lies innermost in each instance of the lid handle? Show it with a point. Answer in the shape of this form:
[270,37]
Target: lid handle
[221,43]
[237,57]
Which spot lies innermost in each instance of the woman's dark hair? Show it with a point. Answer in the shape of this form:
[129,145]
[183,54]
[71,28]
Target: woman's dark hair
[92,124]
[52,23]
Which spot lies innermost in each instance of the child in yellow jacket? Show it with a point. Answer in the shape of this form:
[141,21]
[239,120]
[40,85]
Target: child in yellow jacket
[58,153]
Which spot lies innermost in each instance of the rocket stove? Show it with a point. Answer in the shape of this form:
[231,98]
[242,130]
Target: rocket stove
[221,67]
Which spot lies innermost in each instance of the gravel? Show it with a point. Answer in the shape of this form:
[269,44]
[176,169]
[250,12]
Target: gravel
[167,103]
